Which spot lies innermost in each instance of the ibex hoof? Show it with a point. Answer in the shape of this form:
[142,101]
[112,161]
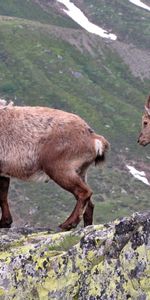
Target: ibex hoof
[5,223]
[59,229]
[67,227]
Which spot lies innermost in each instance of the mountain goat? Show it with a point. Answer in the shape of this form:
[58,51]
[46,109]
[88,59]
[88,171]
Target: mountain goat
[40,143]
[144,137]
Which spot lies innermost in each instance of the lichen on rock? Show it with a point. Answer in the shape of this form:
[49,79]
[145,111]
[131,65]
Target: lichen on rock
[110,261]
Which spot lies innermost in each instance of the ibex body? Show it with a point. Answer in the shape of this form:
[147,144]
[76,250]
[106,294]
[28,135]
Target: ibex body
[144,137]
[42,143]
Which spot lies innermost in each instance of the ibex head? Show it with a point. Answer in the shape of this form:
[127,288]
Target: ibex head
[144,137]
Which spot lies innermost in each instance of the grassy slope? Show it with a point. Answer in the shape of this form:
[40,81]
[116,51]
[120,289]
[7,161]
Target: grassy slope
[130,22]
[39,66]
[30,10]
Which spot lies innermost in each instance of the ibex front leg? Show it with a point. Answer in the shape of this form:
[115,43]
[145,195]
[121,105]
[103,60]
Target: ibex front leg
[6,218]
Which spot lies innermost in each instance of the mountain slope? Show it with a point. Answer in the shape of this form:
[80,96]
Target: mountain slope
[47,59]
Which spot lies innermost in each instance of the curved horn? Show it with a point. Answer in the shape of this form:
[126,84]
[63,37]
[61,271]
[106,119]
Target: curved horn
[148,102]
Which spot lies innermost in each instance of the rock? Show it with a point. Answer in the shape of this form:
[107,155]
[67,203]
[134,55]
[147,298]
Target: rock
[105,262]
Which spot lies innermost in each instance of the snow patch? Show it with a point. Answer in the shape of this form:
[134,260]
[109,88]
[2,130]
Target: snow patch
[140,175]
[140,4]
[77,15]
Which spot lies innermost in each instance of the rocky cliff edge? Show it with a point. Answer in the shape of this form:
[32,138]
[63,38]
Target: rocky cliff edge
[110,261]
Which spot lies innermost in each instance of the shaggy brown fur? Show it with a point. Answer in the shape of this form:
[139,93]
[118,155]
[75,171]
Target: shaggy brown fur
[40,143]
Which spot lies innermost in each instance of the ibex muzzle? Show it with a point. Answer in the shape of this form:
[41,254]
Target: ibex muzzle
[144,137]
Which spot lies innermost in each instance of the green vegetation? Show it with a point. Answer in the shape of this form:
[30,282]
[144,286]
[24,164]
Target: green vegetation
[32,10]
[46,59]
[39,69]
[129,22]
[67,242]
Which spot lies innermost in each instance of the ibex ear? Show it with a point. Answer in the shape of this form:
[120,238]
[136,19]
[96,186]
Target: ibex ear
[147,105]
[148,102]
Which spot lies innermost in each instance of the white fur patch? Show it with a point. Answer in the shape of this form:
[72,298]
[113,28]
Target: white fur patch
[39,176]
[4,103]
[5,175]
[98,147]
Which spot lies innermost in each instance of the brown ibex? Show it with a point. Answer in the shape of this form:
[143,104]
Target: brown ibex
[42,143]
[144,137]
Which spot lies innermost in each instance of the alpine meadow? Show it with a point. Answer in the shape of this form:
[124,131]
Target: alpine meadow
[48,59]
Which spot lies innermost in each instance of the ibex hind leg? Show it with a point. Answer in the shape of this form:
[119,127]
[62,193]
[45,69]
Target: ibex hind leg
[82,194]
[6,218]
[69,180]
[88,214]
